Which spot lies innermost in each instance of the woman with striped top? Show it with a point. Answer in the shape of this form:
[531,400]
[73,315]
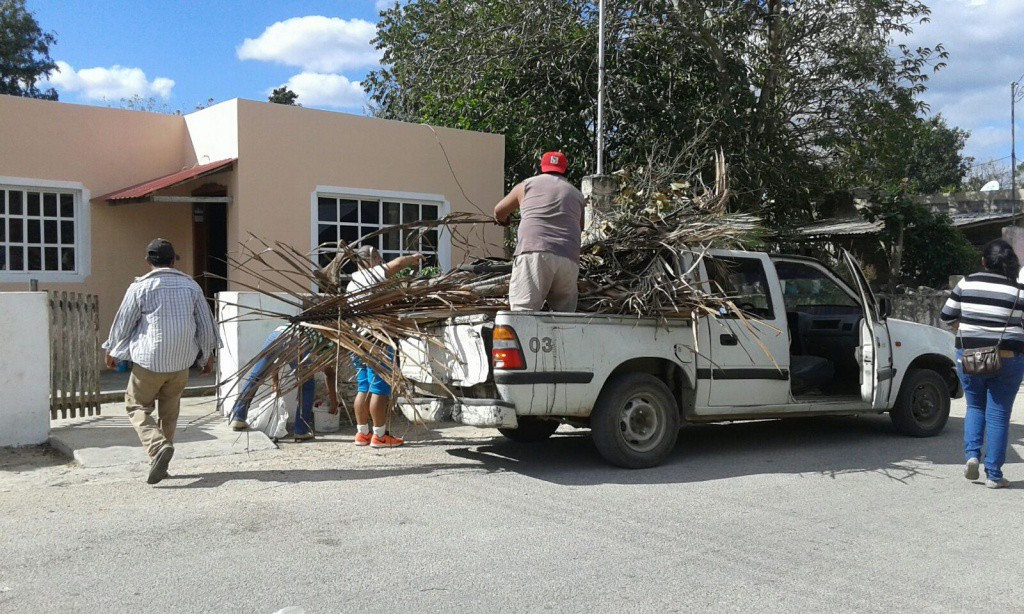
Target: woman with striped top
[986,308]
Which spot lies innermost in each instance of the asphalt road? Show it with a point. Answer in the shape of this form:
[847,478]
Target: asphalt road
[799,516]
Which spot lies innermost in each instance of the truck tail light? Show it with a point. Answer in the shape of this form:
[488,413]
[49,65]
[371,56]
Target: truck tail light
[507,353]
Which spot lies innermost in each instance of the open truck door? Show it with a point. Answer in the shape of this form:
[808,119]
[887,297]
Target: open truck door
[874,353]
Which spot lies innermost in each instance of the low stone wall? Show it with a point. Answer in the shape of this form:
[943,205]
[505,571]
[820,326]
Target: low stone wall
[921,307]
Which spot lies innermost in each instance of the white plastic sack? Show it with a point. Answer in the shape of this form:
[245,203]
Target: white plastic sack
[270,417]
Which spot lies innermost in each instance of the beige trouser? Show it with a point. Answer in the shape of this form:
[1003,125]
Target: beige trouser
[146,387]
[540,276]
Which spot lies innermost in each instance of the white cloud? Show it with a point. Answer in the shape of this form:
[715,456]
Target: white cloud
[315,44]
[326,90]
[380,5]
[111,83]
[985,55]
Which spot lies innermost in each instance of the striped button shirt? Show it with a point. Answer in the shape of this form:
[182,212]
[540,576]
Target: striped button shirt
[981,304]
[164,323]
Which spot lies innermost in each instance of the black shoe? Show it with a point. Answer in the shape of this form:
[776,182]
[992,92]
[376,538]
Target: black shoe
[158,468]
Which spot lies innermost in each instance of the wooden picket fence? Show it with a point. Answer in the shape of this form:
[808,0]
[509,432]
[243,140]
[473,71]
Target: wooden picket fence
[74,355]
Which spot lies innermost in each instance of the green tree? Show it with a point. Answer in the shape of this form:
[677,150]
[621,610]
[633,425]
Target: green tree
[781,87]
[902,146]
[906,155]
[24,52]
[909,238]
[283,95]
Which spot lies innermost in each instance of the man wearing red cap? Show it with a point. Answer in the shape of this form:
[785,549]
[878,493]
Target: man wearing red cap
[547,256]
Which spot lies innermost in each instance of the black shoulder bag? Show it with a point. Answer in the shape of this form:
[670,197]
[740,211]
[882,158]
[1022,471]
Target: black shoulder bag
[985,360]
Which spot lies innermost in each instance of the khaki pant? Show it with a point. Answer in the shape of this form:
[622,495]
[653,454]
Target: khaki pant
[145,388]
[540,276]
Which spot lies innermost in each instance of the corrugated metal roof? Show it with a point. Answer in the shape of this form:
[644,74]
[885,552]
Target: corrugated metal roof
[855,227]
[962,220]
[147,188]
[848,227]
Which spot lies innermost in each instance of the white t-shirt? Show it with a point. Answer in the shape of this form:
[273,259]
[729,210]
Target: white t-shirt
[364,278]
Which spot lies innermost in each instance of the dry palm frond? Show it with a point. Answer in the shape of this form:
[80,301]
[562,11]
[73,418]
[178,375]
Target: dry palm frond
[641,263]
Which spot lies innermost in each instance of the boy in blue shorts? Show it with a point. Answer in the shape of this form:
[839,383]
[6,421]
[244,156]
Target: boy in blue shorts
[373,391]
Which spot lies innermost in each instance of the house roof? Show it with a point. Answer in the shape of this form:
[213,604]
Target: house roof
[147,188]
[967,220]
[848,227]
[858,226]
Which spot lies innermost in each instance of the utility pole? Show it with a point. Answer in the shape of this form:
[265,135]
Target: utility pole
[600,87]
[1013,149]
[599,189]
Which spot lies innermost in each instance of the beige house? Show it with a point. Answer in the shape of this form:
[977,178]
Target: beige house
[83,189]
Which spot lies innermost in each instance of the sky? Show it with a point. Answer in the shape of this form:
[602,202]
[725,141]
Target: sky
[183,53]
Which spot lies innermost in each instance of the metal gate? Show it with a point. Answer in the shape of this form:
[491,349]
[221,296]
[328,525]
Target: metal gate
[74,355]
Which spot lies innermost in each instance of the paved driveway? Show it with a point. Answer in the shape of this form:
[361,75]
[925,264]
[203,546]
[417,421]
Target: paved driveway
[805,515]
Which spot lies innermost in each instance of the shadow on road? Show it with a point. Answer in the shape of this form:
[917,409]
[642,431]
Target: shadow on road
[295,476]
[828,447]
[818,446]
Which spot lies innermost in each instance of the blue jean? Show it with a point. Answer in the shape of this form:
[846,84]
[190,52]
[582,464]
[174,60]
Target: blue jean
[989,403]
[240,411]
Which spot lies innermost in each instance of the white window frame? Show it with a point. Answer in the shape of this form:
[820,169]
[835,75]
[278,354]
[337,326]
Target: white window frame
[83,232]
[444,239]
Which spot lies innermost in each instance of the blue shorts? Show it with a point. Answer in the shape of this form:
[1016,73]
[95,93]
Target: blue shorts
[367,380]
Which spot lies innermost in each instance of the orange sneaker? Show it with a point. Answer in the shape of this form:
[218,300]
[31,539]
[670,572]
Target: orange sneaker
[363,440]
[387,441]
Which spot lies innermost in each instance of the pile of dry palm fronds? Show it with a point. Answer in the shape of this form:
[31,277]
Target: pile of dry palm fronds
[328,324]
[643,253]
[640,260]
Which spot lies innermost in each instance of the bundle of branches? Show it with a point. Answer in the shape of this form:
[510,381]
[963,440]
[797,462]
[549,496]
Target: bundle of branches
[328,324]
[640,258]
[639,262]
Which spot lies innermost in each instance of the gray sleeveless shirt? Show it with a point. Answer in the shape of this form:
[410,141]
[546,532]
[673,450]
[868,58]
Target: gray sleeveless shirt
[550,214]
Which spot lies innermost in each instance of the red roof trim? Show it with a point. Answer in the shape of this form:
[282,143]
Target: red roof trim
[147,188]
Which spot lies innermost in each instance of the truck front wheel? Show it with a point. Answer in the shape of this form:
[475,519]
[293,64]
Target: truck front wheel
[635,422]
[531,430]
[922,406]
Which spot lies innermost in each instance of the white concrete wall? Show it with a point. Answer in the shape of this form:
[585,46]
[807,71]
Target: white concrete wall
[242,333]
[24,368]
[214,132]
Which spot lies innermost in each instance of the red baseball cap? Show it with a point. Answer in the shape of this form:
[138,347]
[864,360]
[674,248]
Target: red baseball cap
[553,161]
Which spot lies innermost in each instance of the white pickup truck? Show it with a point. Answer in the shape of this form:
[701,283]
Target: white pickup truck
[809,344]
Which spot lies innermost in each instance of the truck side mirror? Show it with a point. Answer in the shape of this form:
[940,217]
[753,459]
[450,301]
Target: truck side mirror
[884,308]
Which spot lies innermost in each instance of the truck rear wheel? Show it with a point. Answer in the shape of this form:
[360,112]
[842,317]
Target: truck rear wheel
[531,430]
[922,406]
[635,422]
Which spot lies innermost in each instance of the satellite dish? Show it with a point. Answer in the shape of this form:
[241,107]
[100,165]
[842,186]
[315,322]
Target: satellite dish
[991,186]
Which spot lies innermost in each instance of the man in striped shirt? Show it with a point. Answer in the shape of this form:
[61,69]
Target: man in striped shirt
[163,326]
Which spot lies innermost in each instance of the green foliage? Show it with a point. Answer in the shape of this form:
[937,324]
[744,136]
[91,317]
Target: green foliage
[24,52]
[924,152]
[926,264]
[789,91]
[412,272]
[283,95]
[923,247]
